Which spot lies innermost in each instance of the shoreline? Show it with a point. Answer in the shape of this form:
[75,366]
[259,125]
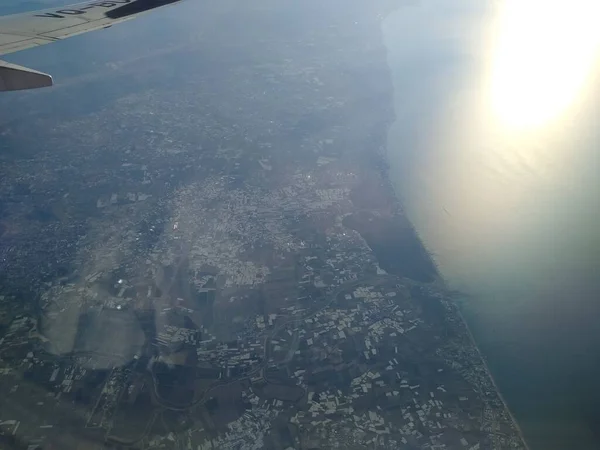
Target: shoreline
[491,376]
[440,281]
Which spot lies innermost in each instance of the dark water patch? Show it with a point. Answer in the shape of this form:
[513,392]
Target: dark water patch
[368,194]
[395,244]
[21,189]
[42,215]
[592,418]
[433,310]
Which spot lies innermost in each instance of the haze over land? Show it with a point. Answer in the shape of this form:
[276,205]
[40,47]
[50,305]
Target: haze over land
[209,236]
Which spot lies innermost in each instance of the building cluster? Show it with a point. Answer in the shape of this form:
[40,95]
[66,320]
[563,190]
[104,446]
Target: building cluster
[249,431]
[242,357]
[222,174]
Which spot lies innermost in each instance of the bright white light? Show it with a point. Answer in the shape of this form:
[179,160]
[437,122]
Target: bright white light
[543,54]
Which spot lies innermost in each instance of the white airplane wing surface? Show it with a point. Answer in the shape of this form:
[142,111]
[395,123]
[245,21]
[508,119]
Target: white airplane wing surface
[31,29]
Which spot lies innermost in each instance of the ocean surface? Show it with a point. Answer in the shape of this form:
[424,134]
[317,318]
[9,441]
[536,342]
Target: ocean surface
[495,154]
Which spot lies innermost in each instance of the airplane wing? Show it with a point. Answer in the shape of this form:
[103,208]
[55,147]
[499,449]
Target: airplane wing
[31,29]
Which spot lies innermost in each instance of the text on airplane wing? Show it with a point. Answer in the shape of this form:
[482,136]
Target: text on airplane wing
[32,29]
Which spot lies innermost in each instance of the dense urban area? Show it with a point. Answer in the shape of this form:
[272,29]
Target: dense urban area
[214,258]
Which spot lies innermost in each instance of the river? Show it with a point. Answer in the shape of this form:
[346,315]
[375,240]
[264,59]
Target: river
[494,154]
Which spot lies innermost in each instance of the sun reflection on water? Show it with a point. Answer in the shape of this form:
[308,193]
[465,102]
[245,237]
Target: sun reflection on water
[542,56]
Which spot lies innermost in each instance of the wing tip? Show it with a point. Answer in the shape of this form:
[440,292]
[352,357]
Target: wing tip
[15,78]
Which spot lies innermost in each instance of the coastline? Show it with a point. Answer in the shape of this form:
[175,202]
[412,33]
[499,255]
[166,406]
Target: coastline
[491,376]
[440,280]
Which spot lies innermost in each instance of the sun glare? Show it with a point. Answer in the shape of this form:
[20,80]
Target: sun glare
[543,53]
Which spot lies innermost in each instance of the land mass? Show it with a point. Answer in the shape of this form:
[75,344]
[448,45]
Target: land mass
[219,260]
